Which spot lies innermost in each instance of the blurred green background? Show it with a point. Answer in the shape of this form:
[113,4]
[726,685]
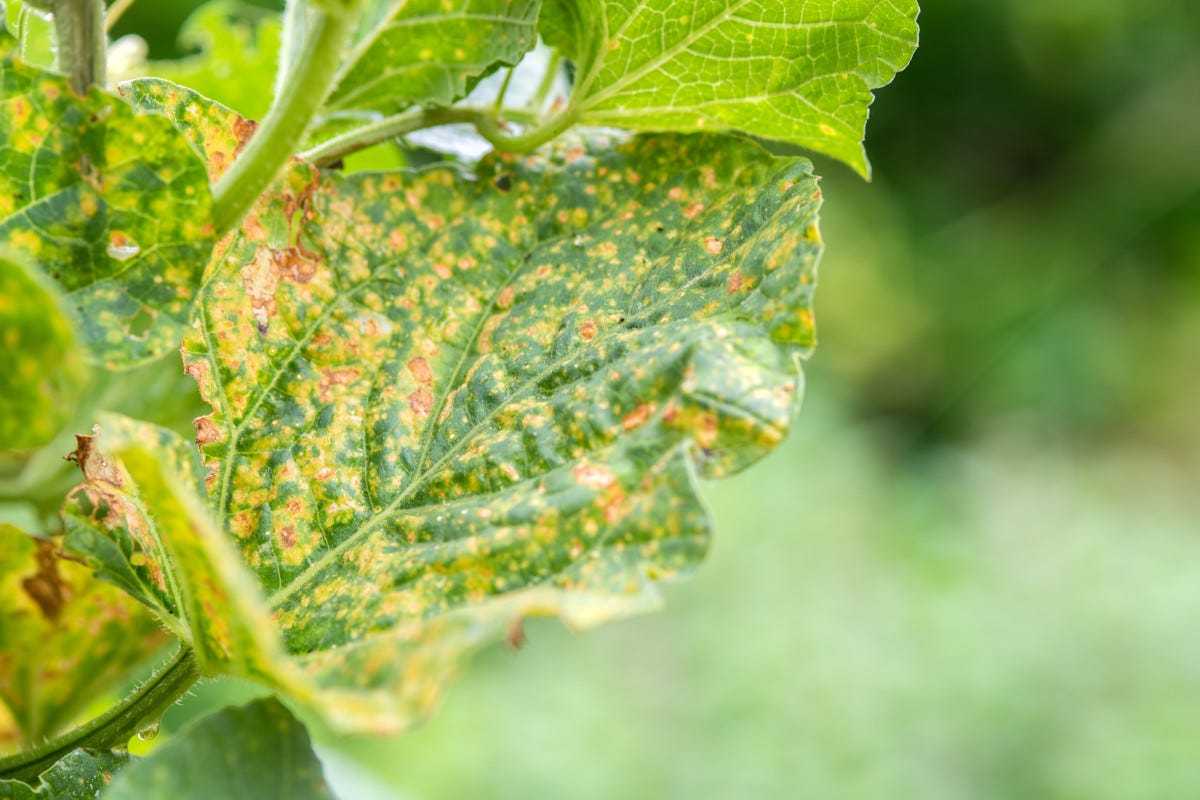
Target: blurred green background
[974,569]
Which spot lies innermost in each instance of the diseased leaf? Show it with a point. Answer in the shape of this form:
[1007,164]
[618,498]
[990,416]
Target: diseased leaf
[110,202]
[443,402]
[799,72]
[429,51]
[80,775]
[43,368]
[138,521]
[65,638]
[257,751]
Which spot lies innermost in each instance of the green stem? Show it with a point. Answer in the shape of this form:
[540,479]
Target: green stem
[543,91]
[486,122]
[115,727]
[82,45]
[295,105]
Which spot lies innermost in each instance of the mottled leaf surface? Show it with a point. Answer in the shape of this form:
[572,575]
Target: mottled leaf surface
[797,72]
[80,775]
[65,637]
[109,202]
[257,751]
[138,520]
[445,401]
[43,367]
[429,51]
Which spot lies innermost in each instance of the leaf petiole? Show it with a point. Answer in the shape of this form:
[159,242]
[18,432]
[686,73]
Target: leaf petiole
[117,726]
[487,122]
[300,95]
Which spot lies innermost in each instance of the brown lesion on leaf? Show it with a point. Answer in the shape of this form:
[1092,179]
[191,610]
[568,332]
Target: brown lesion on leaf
[336,377]
[421,402]
[287,537]
[419,367]
[639,416]
[270,267]
[94,464]
[46,586]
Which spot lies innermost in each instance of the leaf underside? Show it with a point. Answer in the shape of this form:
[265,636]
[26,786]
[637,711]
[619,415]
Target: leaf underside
[444,401]
[110,202]
[78,775]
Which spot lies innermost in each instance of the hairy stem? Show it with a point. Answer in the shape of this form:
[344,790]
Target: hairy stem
[486,121]
[301,94]
[79,27]
[115,727]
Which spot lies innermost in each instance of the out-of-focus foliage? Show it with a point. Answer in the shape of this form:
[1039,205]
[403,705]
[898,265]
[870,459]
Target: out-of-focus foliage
[981,561]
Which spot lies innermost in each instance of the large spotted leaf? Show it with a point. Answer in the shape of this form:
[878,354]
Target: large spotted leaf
[65,638]
[798,72]
[108,201]
[444,401]
[428,51]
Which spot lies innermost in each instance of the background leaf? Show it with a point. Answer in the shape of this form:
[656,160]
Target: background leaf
[109,202]
[66,638]
[800,73]
[43,367]
[255,751]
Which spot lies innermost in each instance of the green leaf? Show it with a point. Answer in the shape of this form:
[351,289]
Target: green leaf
[428,51]
[800,73]
[65,637]
[257,751]
[43,367]
[80,775]
[110,202]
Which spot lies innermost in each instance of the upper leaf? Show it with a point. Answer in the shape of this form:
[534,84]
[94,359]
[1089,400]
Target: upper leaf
[442,402]
[429,51]
[66,638]
[799,72]
[109,202]
[43,367]
[257,751]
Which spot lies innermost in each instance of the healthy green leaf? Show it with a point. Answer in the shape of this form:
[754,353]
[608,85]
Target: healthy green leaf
[428,51]
[443,402]
[109,202]
[799,72]
[257,751]
[43,368]
[65,638]
[80,775]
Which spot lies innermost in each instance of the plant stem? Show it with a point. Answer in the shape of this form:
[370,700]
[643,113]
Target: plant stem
[82,45]
[295,104]
[543,91]
[115,12]
[486,122]
[115,727]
